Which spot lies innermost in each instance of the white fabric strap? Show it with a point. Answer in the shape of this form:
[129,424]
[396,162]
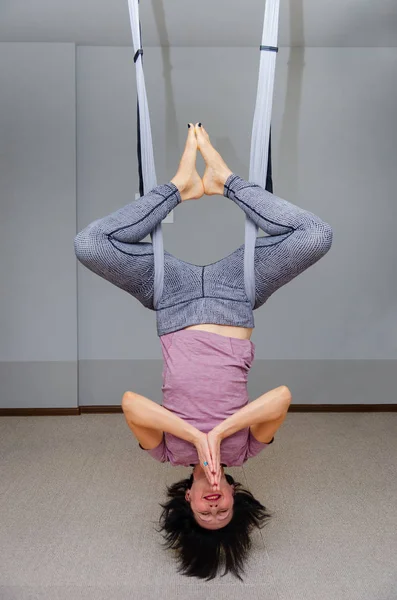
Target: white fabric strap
[259,142]
[260,134]
[147,156]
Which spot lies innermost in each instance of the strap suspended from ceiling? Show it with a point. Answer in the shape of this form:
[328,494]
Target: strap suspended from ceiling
[147,169]
[260,159]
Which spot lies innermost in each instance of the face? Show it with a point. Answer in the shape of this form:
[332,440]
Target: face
[211,510]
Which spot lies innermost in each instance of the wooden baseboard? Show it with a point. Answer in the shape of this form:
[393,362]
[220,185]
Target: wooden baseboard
[101,409]
[38,412]
[79,410]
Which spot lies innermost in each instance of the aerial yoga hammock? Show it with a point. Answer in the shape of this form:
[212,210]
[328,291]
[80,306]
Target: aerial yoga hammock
[204,321]
[260,163]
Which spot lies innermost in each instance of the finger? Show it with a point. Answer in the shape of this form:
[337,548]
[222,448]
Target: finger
[216,486]
[210,477]
[207,460]
[213,478]
[210,460]
[213,458]
[215,454]
[216,480]
[207,471]
[219,476]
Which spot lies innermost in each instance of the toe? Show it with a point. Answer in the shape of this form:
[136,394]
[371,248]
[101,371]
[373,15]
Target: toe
[201,133]
[191,137]
[205,133]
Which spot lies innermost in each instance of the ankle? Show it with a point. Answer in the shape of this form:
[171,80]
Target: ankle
[181,185]
[222,178]
[226,175]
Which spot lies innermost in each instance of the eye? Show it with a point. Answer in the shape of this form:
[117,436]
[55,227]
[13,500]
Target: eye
[223,511]
[204,513]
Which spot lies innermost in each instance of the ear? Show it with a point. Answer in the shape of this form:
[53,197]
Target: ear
[187,496]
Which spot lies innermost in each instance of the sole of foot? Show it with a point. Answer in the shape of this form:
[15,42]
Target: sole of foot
[217,171]
[187,179]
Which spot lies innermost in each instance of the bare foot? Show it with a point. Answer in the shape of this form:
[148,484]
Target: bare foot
[187,180]
[217,171]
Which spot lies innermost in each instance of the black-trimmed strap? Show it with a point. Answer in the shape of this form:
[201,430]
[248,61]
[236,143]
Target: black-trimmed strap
[137,53]
[269,48]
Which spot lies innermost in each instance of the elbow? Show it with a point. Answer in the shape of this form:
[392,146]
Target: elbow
[128,403]
[133,408]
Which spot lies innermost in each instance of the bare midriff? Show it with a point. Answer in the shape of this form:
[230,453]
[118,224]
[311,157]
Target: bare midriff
[242,333]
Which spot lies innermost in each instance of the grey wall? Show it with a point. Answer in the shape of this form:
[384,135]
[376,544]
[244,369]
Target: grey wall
[38,340]
[334,141]
[181,23]
[331,334]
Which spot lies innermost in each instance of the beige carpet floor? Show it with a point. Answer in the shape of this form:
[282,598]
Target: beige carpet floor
[79,502]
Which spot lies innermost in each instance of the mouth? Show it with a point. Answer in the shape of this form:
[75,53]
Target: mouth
[212,497]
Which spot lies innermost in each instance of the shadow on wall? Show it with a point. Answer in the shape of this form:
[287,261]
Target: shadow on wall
[225,148]
[171,120]
[288,151]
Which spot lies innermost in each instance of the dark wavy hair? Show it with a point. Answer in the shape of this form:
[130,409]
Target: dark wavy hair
[201,552]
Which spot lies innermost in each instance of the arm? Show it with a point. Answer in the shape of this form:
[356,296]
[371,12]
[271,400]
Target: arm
[264,416]
[149,420]
[111,247]
[296,238]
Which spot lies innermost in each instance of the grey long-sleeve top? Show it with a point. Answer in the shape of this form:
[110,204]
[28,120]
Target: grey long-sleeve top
[215,293]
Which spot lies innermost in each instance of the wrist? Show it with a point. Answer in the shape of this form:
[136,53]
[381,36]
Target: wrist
[218,431]
[196,436]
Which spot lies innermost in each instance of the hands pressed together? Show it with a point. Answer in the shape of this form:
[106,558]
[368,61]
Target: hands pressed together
[208,446]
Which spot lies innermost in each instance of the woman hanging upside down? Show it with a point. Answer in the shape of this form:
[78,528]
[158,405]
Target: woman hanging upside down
[205,322]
